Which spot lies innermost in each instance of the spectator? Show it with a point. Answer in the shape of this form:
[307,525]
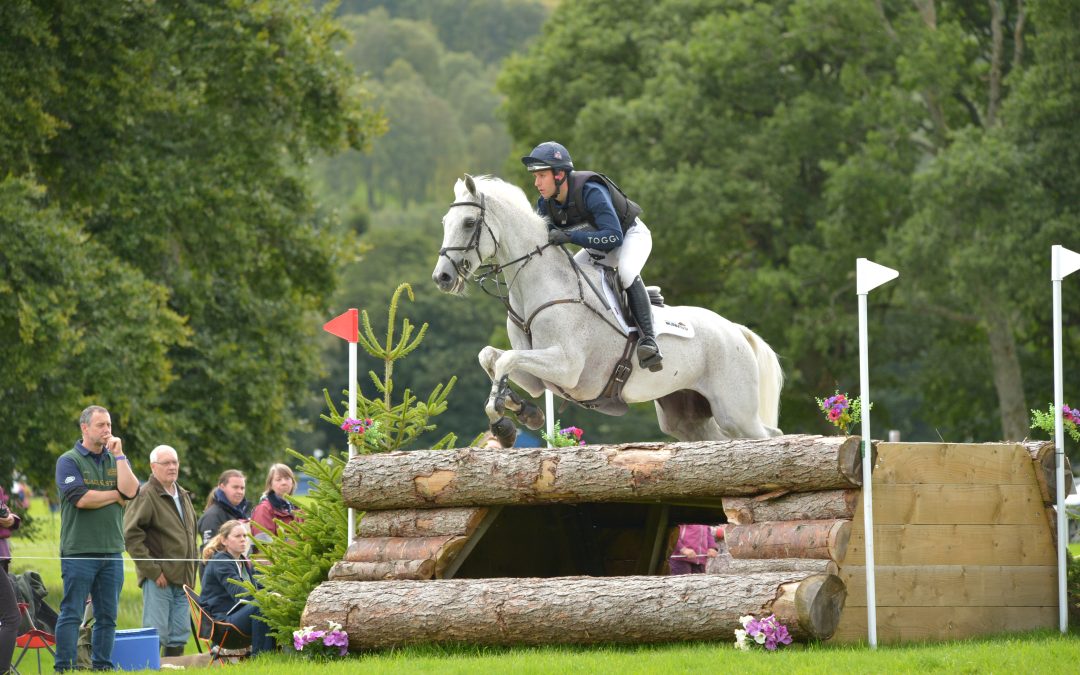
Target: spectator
[696,544]
[9,604]
[226,561]
[226,502]
[159,527]
[273,507]
[94,480]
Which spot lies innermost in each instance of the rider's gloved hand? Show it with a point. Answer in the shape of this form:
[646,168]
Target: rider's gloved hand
[557,236]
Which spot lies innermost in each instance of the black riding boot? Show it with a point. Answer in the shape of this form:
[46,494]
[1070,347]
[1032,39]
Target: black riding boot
[648,352]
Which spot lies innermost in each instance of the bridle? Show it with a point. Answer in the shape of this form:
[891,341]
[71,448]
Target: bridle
[464,266]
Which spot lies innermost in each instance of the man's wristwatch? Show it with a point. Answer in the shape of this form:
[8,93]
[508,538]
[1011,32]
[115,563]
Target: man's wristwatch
[120,458]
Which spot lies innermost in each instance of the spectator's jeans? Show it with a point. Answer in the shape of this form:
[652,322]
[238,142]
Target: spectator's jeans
[99,575]
[166,609]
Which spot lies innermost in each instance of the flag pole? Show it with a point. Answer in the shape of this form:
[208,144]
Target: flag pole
[868,276]
[549,414]
[1063,262]
[347,327]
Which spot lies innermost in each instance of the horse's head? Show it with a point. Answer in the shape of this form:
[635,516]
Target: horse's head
[467,238]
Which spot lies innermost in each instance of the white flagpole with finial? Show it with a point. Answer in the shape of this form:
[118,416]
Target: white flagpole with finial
[1063,262]
[549,412]
[868,276]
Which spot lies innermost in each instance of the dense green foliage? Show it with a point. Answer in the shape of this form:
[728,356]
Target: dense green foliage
[772,143]
[159,250]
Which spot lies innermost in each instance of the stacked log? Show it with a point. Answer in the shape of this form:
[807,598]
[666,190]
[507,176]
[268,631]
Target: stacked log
[424,510]
[574,610]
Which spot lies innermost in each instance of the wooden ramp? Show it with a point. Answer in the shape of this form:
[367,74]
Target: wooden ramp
[963,543]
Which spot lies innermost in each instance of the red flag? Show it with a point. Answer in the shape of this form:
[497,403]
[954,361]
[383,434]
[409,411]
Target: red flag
[346,326]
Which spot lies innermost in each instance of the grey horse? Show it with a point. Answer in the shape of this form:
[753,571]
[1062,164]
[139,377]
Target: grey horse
[723,382]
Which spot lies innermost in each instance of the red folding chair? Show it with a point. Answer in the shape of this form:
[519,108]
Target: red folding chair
[35,639]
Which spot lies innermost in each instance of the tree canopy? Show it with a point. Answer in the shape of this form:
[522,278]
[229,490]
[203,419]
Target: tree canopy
[772,143]
[161,252]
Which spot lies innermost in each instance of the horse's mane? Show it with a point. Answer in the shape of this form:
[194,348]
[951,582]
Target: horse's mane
[501,192]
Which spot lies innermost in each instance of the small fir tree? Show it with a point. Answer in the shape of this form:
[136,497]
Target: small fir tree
[299,557]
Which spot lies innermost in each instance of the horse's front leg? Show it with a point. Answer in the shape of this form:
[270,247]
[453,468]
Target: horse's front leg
[504,398]
[552,364]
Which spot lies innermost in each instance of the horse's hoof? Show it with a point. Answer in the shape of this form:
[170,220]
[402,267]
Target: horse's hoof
[531,416]
[505,432]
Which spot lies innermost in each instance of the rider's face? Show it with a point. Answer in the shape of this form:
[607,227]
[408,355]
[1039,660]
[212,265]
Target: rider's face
[544,180]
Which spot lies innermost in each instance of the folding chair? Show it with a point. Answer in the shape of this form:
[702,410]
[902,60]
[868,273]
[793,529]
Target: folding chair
[222,638]
[35,639]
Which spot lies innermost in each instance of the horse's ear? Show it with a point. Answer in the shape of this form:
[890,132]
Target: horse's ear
[470,185]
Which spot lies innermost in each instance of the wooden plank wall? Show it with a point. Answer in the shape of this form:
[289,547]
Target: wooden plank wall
[963,545]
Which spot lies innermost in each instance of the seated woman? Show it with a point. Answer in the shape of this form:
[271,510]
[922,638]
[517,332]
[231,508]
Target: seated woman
[226,560]
[280,482]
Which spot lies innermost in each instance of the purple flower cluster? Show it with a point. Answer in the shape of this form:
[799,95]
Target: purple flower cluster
[354,426]
[768,632]
[575,432]
[1070,414]
[326,642]
[835,407]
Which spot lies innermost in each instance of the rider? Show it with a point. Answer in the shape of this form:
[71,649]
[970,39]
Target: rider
[617,237]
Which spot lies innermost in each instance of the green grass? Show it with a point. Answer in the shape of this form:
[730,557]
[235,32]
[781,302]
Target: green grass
[1038,652]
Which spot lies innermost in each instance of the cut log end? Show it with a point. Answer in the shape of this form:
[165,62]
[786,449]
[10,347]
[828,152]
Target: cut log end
[819,602]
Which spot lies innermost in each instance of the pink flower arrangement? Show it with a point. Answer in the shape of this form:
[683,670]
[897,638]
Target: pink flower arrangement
[768,632]
[561,438]
[841,411]
[1070,421]
[364,434]
[322,643]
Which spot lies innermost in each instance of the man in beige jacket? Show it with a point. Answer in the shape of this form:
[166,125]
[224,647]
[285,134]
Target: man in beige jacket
[159,533]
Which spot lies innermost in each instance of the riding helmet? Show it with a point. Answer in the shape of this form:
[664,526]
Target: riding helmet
[548,155]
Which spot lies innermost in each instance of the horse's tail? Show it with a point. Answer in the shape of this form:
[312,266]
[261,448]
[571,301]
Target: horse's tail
[770,378]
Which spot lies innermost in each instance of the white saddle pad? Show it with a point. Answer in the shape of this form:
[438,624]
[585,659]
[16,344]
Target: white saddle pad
[667,320]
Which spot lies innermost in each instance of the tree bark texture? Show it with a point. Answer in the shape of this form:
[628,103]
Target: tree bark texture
[573,610]
[440,550]
[421,522]
[703,470]
[820,539]
[818,505]
[809,566]
[381,571]
[1043,454]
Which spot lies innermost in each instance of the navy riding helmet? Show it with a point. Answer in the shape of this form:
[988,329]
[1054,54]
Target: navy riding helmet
[548,155]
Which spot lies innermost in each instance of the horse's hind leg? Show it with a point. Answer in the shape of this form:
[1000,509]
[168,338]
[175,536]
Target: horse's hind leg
[687,416]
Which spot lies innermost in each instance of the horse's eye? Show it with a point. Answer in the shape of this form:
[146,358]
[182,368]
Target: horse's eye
[469,223]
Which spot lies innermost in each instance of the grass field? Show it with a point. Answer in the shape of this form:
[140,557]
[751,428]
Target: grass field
[1038,652]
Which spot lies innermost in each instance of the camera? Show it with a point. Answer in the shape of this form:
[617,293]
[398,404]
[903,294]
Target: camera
[4,511]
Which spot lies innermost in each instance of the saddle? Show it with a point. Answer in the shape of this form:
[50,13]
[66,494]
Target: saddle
[610,400]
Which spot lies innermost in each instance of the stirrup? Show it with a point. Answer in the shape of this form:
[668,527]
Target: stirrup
[649,356]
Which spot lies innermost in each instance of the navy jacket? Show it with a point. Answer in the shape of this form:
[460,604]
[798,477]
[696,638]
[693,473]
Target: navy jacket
[219,595]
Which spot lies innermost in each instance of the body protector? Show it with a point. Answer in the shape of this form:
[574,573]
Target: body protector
[575,213]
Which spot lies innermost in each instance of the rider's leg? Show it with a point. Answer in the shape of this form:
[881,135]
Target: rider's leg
[635,249]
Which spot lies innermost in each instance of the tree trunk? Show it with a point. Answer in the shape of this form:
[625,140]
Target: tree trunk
[727,565]
[820,539]
[1008,377]
[440,550]
[576,610]
[421,522]
[819,505]
[638,472]
[381,571]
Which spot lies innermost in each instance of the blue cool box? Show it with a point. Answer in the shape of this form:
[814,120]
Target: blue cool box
[136,649]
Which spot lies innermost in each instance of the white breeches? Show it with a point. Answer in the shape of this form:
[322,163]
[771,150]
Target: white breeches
[629,257]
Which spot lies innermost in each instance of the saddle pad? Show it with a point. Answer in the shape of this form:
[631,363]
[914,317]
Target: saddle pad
[667,320]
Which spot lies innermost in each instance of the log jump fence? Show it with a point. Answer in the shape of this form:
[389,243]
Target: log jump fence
[568,545]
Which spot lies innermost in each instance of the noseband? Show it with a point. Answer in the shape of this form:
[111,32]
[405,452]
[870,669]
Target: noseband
[464,266]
